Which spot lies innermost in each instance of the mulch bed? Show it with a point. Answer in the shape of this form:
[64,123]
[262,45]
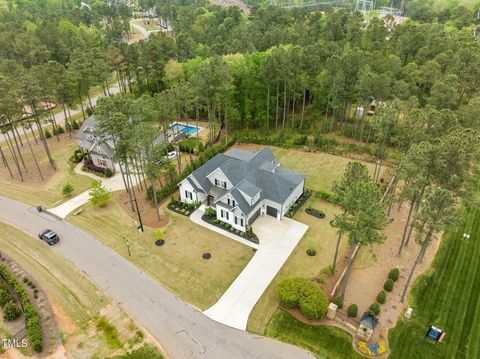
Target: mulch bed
[315,212]
[298,203]
[210,220]
[181,208]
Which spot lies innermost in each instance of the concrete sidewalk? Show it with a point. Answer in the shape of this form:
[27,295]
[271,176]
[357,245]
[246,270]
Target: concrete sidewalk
[113,184]
[277,241]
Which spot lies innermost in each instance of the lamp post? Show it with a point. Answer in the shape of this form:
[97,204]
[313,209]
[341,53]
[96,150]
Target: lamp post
[138,212]
[128,246]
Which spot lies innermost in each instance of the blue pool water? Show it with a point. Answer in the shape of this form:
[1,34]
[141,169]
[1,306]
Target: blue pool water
[178,127]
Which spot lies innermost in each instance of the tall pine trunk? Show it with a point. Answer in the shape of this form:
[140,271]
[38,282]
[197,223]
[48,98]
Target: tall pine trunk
[347,271]
[5,162]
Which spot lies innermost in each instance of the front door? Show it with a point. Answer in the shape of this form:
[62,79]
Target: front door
[209,200]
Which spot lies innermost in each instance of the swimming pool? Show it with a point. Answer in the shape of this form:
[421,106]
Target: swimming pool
[179,127]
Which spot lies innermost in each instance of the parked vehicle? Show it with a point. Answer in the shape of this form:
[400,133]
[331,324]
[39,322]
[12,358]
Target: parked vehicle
[161,161]
[49,236]
[171,155]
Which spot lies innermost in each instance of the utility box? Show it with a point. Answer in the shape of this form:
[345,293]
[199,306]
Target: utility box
[332,311]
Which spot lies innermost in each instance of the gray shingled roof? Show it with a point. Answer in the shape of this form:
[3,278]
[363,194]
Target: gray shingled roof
[250,172]
[100,146]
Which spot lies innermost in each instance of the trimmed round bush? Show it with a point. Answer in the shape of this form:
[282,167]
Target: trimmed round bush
[10,311]
[301,293]
[108,172]
[381,297]
[352,310]
[315,304]
[287,292]
[388,286]
[47,134]
[375,309]
[394,274]
[338,301]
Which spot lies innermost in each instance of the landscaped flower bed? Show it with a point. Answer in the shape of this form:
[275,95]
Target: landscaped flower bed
[374,349]
[88,166]
[182,208]
[248,235]
[298,203]
[315,212]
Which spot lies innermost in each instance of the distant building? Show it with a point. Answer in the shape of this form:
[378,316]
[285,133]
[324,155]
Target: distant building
[97,147]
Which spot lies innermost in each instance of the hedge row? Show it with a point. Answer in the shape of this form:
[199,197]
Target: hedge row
[301,293]
[32,319]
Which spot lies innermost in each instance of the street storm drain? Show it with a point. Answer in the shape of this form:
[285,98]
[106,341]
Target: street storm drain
[159,242]
[206,256]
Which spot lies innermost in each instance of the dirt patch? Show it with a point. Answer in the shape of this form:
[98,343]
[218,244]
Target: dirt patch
[367,279]
[147,211]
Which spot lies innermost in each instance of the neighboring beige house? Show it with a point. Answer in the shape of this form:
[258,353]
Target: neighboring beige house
[99,149]
[243,185]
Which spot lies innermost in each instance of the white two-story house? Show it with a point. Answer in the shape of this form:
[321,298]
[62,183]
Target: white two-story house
[242,185]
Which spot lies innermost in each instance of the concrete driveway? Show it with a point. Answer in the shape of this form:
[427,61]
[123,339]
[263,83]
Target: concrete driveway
[277,241]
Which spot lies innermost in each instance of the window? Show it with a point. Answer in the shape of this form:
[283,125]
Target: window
[221,213]
[239,221]
[226,215]
[102,162]
[231,202]
[219,183]
[188,195]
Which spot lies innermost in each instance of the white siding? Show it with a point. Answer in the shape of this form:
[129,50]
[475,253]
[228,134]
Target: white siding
[219,175]
[292,198]
[231,217]
[186,186]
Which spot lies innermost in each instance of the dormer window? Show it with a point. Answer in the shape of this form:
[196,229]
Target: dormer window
[221,184]
[231,202]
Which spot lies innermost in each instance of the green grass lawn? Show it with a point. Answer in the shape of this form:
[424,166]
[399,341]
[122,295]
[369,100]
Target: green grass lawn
[46,193]
[447,296]
[178,264]
[320,169]
[322,237]
[327,342]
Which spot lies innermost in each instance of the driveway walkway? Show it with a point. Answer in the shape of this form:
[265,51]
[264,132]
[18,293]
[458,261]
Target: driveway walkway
[114,183]
[183,331]
[277,241]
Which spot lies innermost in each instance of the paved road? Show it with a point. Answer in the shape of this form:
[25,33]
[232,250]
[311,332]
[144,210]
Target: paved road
[183,331]
[277,241]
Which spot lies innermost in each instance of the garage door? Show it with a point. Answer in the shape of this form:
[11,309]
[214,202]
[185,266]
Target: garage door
[272,211]
[254,217]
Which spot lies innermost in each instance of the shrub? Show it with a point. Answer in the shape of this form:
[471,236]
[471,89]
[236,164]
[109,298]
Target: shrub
[210,212]
[325,273]
[324,195]
[374,309]
[388,286]
[300,141]
[108,172]
[394,274]
[352,310]
[75,125]
[10,311]
[89,111]
[382,297]
[60,129]
[78,156]
[301,293]
[5,297]
[99,195]
[339,301]
[32,321]
[91,166]
[47,134]
[67,189]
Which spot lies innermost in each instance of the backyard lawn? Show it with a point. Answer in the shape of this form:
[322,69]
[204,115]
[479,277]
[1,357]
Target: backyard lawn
[327,342]
[46,193]
[320,169]
[447,297]
[178,264]
[322,237]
